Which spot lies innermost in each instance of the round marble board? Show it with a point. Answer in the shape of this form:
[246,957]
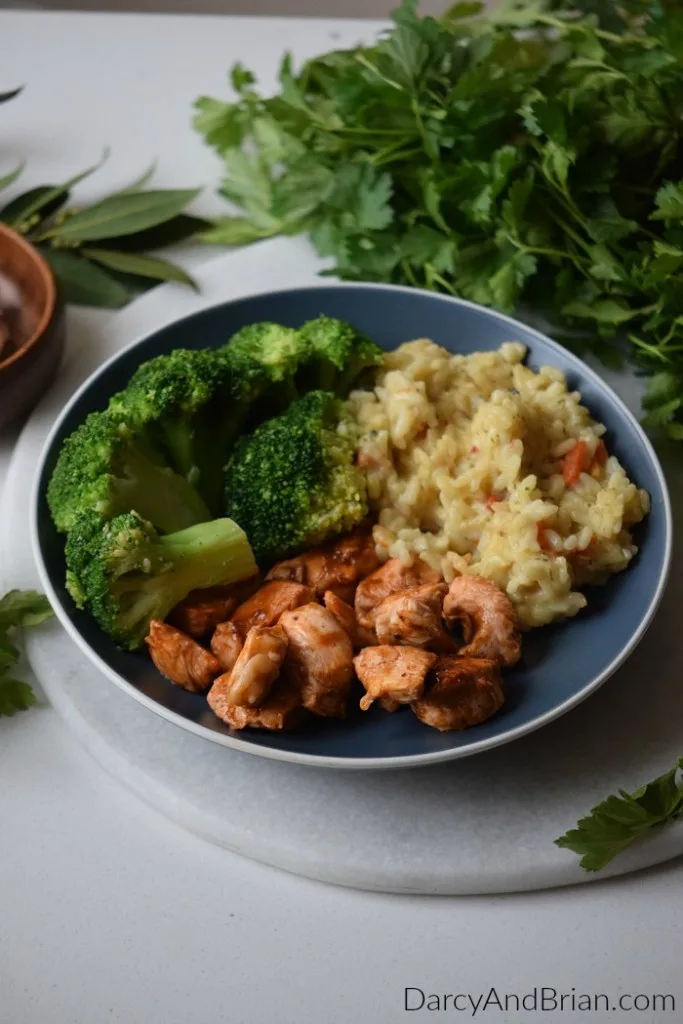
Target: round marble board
[480,825]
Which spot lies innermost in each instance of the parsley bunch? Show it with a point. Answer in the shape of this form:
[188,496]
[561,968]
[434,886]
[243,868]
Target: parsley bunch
[532,154]
[18,609]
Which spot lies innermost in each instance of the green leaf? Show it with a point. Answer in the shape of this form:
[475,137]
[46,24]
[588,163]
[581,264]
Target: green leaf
[240,77]
[177,229]
[8,179]
[123,215]
[84,283]
[23,608]
[143,266]
[613,825]
[604,311]
[669,203]
[235,231]
[15,696]
[5,96]
[222,124]
[45,197]
[139,183]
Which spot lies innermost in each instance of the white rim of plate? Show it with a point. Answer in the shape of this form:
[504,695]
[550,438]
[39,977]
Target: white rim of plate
[351,763]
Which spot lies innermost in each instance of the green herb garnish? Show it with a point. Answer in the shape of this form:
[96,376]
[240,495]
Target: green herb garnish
[618,821]
[18,608]
[533,153]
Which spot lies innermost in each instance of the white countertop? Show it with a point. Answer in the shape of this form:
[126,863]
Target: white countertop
[109,913]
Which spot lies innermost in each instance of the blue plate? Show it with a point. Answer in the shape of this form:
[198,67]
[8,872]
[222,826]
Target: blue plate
[562,664]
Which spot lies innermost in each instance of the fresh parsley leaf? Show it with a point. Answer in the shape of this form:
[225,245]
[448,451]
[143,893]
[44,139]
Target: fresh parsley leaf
[18,609]
[617,822]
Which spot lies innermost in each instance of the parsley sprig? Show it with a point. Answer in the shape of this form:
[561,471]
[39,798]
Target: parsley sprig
[532,154]
[617,822]
[18,609]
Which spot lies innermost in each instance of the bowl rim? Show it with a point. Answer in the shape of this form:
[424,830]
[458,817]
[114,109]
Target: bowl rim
[51,304]
[357,763]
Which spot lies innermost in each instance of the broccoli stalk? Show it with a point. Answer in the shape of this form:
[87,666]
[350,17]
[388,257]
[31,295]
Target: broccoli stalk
[102,466]
[293,483]
[125,574]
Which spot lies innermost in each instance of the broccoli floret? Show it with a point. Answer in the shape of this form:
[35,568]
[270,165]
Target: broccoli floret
[182,404]
[102,466]
[336,355]
[125,574]
[292,483]
[267,356]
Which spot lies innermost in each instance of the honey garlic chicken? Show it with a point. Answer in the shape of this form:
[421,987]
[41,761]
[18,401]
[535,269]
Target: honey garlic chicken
[202,610]
[388,579]
[281,710]
[465,692]
[226,644]
[346,617]
[489,621]
[394,675]
[265,607]
[413,618]
[180,658]
[257,667]
[337,567]
[320,658]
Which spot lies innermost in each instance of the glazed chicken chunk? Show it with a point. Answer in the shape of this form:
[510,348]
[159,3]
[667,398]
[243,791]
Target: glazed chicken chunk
[265,607]
[489,621]
[226,644]
[256,669]
[413,618]
[337,567]
[281,710]
[346,617]
[393,675]
[202,610]
[389,579]
[320,659]
[180,658]
[465,692]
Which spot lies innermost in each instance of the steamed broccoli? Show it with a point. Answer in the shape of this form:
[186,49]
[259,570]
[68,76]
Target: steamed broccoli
[336,355]
[292,482]
[102,466]
[267,355]
[125,574]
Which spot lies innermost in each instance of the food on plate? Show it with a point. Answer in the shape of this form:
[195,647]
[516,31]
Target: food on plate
[320,659]
[487,617]
[282,709]
[293,483]
[392,577]
[337,567]
[180,658]
[402,534]
[479,464]
[265,607]
[393,675]
[103,466]
[202,610]
[465,692]
[226,643]
[257,667]
[414,617]
[126,574]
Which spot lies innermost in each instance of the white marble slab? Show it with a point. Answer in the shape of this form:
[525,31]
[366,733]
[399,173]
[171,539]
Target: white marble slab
[477,826]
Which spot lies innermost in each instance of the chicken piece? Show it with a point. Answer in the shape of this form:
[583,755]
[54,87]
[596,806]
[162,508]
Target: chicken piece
[202,610]
[281,710]
[257,667]
[390,578]
[226,644]
[346,617]
[413,618]
[489,621]
[466,692]
[180,658]
[337,567]
[320,659]
[265,607]
[395,675]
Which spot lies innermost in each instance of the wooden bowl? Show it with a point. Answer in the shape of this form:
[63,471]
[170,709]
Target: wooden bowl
[28,370]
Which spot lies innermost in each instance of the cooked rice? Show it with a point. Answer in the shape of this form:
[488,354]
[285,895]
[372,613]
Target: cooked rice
[464,460]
